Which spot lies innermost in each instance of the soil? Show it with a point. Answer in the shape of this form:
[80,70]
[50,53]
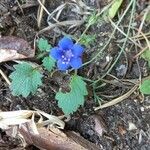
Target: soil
[126,124]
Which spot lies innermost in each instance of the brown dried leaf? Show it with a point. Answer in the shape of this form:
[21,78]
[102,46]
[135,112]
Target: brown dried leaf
[100,126]
[12,48]
[121,130]
[55,139]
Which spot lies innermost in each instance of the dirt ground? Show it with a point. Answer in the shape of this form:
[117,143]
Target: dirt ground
[126,124]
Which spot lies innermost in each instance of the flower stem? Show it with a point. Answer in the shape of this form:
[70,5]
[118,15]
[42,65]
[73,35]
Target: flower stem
[41,55]
[75,72]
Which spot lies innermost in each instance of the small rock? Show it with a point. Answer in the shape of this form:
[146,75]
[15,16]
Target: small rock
[121,70]
[132,126]
[142,108]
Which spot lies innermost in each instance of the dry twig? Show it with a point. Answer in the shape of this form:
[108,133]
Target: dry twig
[117,100]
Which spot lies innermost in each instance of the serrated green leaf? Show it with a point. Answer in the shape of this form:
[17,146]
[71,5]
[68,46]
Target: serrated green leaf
[49,63]
[114,8]
[145,87]
[25,80]
[43,45]
[146,54]
[78,85]
[70,102]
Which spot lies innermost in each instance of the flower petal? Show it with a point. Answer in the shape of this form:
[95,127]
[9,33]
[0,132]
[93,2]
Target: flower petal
[65,43]
[77,50]
[76,62]
[62,66]
[56,53]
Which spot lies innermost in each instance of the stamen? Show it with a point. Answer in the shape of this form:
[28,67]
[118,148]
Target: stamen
[63,62]
[68,53]
[62,56]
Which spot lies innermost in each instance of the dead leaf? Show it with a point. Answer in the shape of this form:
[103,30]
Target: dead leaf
[100,126]
[55,139]
[121,130]
[22,116]
[33,131]
[12,48]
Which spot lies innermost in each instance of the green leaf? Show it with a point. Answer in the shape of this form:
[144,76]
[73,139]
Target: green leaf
[43,45]
[87,39]
[146,54]
[25,80]
[145,87]
[49,63]
[70,102]
[114,8]
[148,17]
[78,85]
[92,19]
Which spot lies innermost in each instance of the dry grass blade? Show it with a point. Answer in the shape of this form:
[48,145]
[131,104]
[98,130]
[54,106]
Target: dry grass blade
[5,123]
[147,42]
[5,77]
[81,4]
[16,114]
[14,118]
[20,6]
[40,13]
[63,23]
[41,8]
[59,10]
[138,54]
[146,39]
[53,119]
[117,100]
[125,34]
[29,4]
[142,22]
[22,116]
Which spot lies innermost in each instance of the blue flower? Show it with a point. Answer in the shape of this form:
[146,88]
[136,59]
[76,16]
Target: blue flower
[67,54]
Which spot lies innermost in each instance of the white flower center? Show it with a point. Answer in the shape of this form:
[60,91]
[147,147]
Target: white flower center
[66,57]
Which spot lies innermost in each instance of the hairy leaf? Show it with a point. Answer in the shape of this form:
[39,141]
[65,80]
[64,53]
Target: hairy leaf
[49,63]
[25,80]
[145,87]
[43,45]
[69,102]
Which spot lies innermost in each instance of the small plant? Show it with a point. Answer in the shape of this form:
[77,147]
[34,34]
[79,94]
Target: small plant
[27,77]
[145,86]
